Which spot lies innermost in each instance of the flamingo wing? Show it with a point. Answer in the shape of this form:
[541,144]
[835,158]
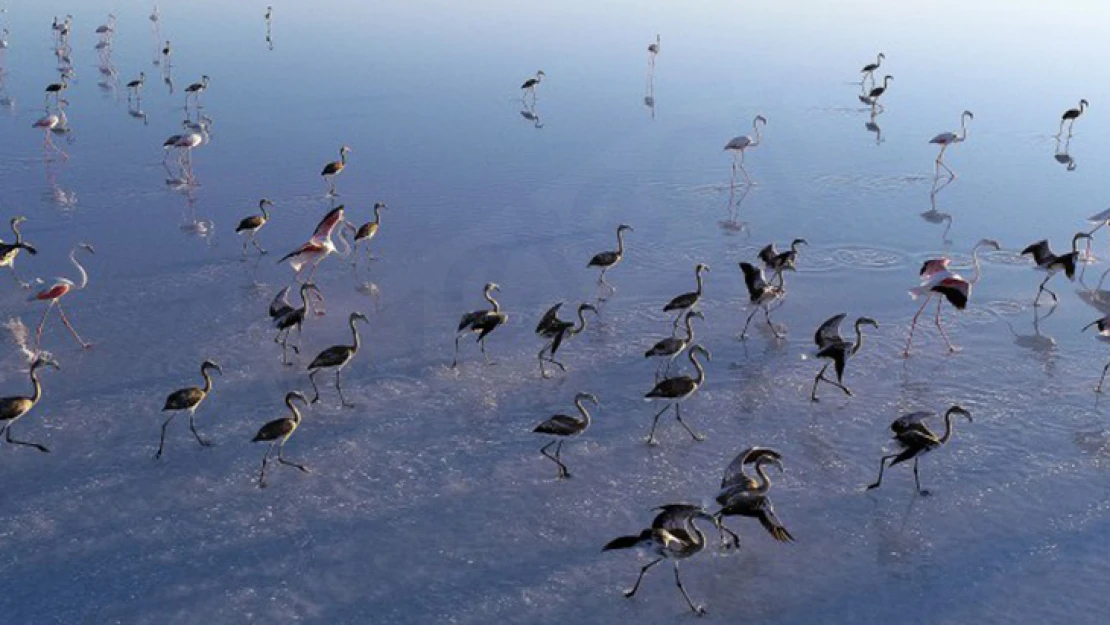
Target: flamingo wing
[60,287]
[829,332]
[738,143]
[328,223]
[549,320]
[944,138]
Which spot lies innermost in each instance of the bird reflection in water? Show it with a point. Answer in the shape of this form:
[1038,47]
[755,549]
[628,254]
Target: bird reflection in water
[872,125]
[1040,344]
[649,92]
[191,225]
[732,224]
[529,113]
[269,25]
[1061,154]
[62,198]
[935,216]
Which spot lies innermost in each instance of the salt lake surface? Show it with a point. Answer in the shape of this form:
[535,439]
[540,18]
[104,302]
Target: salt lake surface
[428,501]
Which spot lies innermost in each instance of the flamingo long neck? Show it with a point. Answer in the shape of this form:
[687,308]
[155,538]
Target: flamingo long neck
[581,321]
[265,213]
[620,242]
[343,239]
[293,409]
[304,296]
[343,157]
[689,328]
[37,393]
[758,135]
[493,302]
[764,483]
[697,365]
[15,231]
[859,339]
[354,333]
[582,411]
[947,427]
[975,261]
[697,276]
[377,213]
[80,269]
[878,61]
[207,380]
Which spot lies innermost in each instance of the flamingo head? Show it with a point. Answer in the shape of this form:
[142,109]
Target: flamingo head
[209,364]
[700,268]
[701,350]
[587,397]
[85,246]
[760,118]
[960,410]
[867,321]
[492,287]
[991,243]
[289,397]
[624,227]
[969,115]
[359,316]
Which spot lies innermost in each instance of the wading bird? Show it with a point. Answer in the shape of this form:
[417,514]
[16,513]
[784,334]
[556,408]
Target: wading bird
[672,346]
[761,293]
[107,30]
[9,251]
[136,86]
[49,124]
[916,439]
[13,408]
[188,400]
[946,139]
[777,262]
[938,279]
[744,495]
[294,319]
[831,346]
[1103,326]
[56,89]
[739,146]
[608,260]
[687,301]
[1070,116]
[251,225]
[277,432]
[868,70]
[481,322]
[675,390]
[653,50]
[58,289]
[166,52]
[530,85]
[317,248]
[554,330]
[334,168]
[194,90]
[366,232]
[565,426]
[1051,263]
[336,357]
[873,96]
[673,535]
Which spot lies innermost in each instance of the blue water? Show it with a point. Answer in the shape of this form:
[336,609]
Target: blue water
[429,501]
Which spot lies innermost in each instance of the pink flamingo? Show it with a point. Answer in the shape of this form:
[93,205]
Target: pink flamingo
[937,278]
[56,291]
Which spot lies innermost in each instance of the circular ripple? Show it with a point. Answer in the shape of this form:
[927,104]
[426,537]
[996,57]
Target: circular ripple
[1004,257]
[868,257]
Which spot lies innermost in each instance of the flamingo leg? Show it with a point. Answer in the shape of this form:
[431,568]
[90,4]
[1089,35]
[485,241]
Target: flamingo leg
[193,428]
[455,362]
[644,569]
[744,171]
[767,316]
[744,332]
[655,422]
[697,609]
[62,314]
[1045,289]
[917,480]
[913,324]
[1098,389]
[42,323]
[262,472]
[162,439]
[722,530]
[678,415]
[312,378]
[882,466]
[18,280]
[562,467]
[8,437]
[342,399]
[951,347]
[282,460]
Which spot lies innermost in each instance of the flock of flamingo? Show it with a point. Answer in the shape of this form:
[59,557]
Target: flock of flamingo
[674,533]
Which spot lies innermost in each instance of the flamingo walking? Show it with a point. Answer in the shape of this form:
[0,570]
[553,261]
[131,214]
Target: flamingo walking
[58,289]
[946,139]
[740,145]
[938,279]
[915,439]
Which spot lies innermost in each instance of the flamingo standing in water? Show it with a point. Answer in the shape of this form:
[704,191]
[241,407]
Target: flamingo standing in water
[739,145]
[1070,116]
[334,168]
[833,347]
[56,291]
[937,278]
[317,248]
[51,122]
[916,439]
[1050,263]
[1103,326]
[868,70]
[946,139]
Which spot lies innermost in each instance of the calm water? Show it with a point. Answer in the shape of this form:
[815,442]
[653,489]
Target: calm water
[428,502]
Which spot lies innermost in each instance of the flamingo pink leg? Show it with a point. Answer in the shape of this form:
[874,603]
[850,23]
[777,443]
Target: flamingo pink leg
[951,347]
[42,323]
[62,313]
[913,325]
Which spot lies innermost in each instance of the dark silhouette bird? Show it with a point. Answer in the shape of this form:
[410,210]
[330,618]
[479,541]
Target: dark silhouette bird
[868,70]
[937,279]
[1103,326]
[9,251]
[336,357]
[555,331]
[777,262]
[194,90]
[687,301]
[653,50]
[529,86]
[1050,263]
[136,87]
[294,319]
[334,168]
[55,89]
[916,439]
[188,400]
[14,408]
[676,389]
[277,433]
[166,52]
[1070,116]
[739,147]
[673,535]
[762,294]
[252,224]
[481,322]
[367,231]
[565,426]
[672,346]
[831,346]
[608,260]
[744,495]
[873,96]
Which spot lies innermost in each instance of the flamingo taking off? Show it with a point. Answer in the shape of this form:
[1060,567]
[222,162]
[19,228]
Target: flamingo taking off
[317,248]
[555,331]
[1050,263]
[915,439]
[778,262]
[946,139]
[762,294]
[744,495]
[831,346]
[58,289]
[938,279]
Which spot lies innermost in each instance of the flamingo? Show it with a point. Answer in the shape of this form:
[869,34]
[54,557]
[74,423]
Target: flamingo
[565,426]
[1103,326]
[293,318]
[9,251]
[194,90]
[58,289]
[334,168]
[55,89]
[336,357]
[937,278]
[762,294]
[481,322]
[672,346]
[916,439]
[530,85]
[743,495]
[653,50]
[675,390]
[317,248]
[687,301]
[188,400]
[367,231]
[555,331]
[13,408]
[946,139]
[873,96]
[1070,116]
[277,432]
[609,259]
[778,262]
[868,70]
[136,86]
[739,145]
[831,346]
[252,224]
[1050,263]
[49,123]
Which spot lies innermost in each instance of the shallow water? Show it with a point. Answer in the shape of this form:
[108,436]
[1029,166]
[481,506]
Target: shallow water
[429,502]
